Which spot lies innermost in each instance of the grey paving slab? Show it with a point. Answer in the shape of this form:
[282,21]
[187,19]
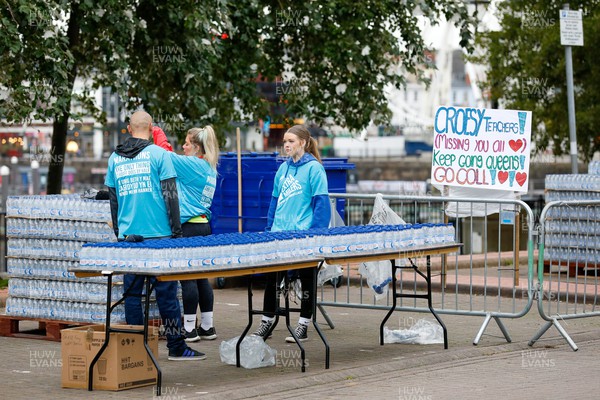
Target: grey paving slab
[360,367]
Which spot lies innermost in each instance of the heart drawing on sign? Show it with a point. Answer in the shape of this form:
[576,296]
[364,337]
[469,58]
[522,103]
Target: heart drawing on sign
[521,178]
[515,144]
[502,176]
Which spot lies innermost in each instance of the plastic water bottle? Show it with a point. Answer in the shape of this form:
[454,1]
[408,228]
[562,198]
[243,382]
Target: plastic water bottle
[10,306]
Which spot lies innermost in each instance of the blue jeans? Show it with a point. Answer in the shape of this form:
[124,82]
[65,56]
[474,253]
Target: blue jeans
[168,305]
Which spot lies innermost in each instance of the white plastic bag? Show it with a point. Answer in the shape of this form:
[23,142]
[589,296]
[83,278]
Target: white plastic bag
[379,273]
[336,219]
[383,214]
[423,331]
[379,276]
[254,352]
[328,272]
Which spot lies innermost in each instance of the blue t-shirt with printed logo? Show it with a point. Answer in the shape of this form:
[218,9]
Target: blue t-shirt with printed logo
[294,187]
[196,184]
[142,210]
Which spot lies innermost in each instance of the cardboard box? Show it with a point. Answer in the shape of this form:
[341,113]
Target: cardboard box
[124,364]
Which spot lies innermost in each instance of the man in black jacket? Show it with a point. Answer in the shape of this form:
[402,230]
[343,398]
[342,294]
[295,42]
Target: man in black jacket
[144,205]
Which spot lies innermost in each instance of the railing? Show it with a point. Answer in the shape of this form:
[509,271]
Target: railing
[491,269]
[569,259]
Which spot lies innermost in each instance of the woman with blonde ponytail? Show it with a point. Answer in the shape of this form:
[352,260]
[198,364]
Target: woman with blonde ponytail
[196,184]
[300,200]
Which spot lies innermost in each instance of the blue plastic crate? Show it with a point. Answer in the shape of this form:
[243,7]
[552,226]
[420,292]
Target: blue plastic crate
[258,173]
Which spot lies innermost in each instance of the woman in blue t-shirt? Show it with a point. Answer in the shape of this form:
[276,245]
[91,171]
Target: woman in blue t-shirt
[196,183]
[300,201]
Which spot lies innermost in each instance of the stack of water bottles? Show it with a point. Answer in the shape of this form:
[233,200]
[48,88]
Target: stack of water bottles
[252,248]
[46,234]
[62,207]
[572,231]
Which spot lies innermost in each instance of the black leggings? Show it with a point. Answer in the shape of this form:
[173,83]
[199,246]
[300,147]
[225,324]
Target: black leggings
[272,293]
[197,291]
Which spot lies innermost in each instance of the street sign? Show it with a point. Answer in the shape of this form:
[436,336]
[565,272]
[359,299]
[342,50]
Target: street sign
[571,28]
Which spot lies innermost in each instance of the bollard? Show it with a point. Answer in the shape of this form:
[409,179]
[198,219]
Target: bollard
[35,177]
[5,174]
[14,176]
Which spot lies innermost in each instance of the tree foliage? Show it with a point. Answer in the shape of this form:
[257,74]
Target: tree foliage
[193,62]
[527,71]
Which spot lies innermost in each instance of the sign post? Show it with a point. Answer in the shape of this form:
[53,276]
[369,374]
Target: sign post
[571,34]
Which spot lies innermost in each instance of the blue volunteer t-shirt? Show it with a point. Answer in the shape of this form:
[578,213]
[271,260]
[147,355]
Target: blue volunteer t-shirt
[142,209]
[294,187]
[196,184]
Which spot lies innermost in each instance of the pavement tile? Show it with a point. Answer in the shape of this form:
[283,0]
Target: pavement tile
[360,367]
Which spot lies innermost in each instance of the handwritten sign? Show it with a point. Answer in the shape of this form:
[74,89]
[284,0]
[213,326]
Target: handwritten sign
[481,148]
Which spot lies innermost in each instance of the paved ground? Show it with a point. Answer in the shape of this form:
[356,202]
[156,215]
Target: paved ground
[360,367]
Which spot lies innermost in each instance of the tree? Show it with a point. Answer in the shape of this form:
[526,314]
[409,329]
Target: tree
[197,63]
[527,71]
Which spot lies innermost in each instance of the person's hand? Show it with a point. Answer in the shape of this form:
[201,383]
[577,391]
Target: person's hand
[134,238]
[157,130]
[160,138]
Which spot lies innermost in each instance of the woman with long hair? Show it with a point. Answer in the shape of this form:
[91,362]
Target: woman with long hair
[196,183]
[300,201]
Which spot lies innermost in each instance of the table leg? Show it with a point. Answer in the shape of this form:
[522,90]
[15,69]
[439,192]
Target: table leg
[106,333]
[395,295]
[286,311]
[394,302]
[243,335]
[109,330]
[430,305]
[149,288]
[278,277]
[314,314]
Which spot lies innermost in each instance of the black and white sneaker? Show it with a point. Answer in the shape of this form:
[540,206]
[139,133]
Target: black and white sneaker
[209,334]
[301,333]
[264,330]
[191,336]
[187,354]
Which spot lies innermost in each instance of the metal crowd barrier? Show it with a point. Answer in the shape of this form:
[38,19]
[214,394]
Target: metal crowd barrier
[488,270]
[569,258]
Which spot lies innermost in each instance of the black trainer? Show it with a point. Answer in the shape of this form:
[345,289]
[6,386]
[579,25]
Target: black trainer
[301,333]
[208,334]
[264,330]
[187,354]
[191,336]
